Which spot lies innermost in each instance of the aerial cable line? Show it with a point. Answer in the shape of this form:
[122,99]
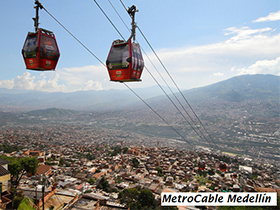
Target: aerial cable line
[177,100]
[119,15]
[108,19]
[167,86]
[176,106]
[145,67]
[177,86]
[74,36]
[148,69]
[124,83]
[165,83]
[174,84]
[123,5]
[159,115]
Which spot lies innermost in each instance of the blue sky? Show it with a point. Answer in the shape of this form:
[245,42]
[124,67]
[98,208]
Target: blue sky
[199,42]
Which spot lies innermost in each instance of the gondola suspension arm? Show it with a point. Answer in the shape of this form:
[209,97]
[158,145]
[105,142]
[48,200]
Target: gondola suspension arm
[131,11]
[36,19]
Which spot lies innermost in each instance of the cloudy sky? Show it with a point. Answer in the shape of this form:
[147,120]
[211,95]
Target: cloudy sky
[199,42]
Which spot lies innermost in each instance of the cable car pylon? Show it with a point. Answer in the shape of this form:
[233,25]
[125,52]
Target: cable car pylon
[40,51]
[125,61]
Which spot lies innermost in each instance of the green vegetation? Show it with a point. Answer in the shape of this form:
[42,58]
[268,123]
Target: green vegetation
[135,199]
[91,181]
[135,163]
[202,180]
[21,166]
[255,175]
[202,173]
[118,179]
[159,170]
[25,205]
[88,155]
[61,162]
[104,185]
[125,150]
[52,112]
[16,201]
[88,191]
[9,148]
[116,151]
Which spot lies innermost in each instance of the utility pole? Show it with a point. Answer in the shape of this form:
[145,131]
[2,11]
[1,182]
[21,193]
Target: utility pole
[0,191]
[43,196]
[43,180]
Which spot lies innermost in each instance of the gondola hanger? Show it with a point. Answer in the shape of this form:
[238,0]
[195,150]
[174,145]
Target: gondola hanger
[40,50]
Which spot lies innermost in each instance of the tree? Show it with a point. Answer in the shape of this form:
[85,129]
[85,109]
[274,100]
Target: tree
[61,162]
[118,179]
[134,199]
[104,185]
[91,181]
[90,156]
[147,199]
[125,150]
[129,196]
[21,166]
[135,163]
[116,150]
[159,170]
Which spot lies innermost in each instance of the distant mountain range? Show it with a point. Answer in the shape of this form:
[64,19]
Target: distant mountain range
[241,114]
[25,100]
[236,89]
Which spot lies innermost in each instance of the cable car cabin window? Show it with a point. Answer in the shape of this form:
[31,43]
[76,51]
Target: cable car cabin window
[136,49]
[139,58]
[48,48]
[118,57]
[30,47]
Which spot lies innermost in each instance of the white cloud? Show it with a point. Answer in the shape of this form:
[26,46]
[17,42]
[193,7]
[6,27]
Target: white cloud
[27,82]
[201,65]
[244,33]
[63,80]
[274,16]
[92,85]
[218,74]
[243,48]
[262,67]
[88,77]
[189,66]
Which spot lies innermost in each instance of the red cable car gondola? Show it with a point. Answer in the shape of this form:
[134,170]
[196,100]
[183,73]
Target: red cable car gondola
[125,62]
[40,51]
[223,166]
[201,165]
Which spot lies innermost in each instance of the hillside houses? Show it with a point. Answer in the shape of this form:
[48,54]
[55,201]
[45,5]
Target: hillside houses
[73,170]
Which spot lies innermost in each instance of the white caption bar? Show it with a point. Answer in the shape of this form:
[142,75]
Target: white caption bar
[219,199]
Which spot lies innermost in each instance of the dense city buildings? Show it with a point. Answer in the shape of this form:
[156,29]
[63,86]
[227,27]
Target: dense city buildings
[74,160]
